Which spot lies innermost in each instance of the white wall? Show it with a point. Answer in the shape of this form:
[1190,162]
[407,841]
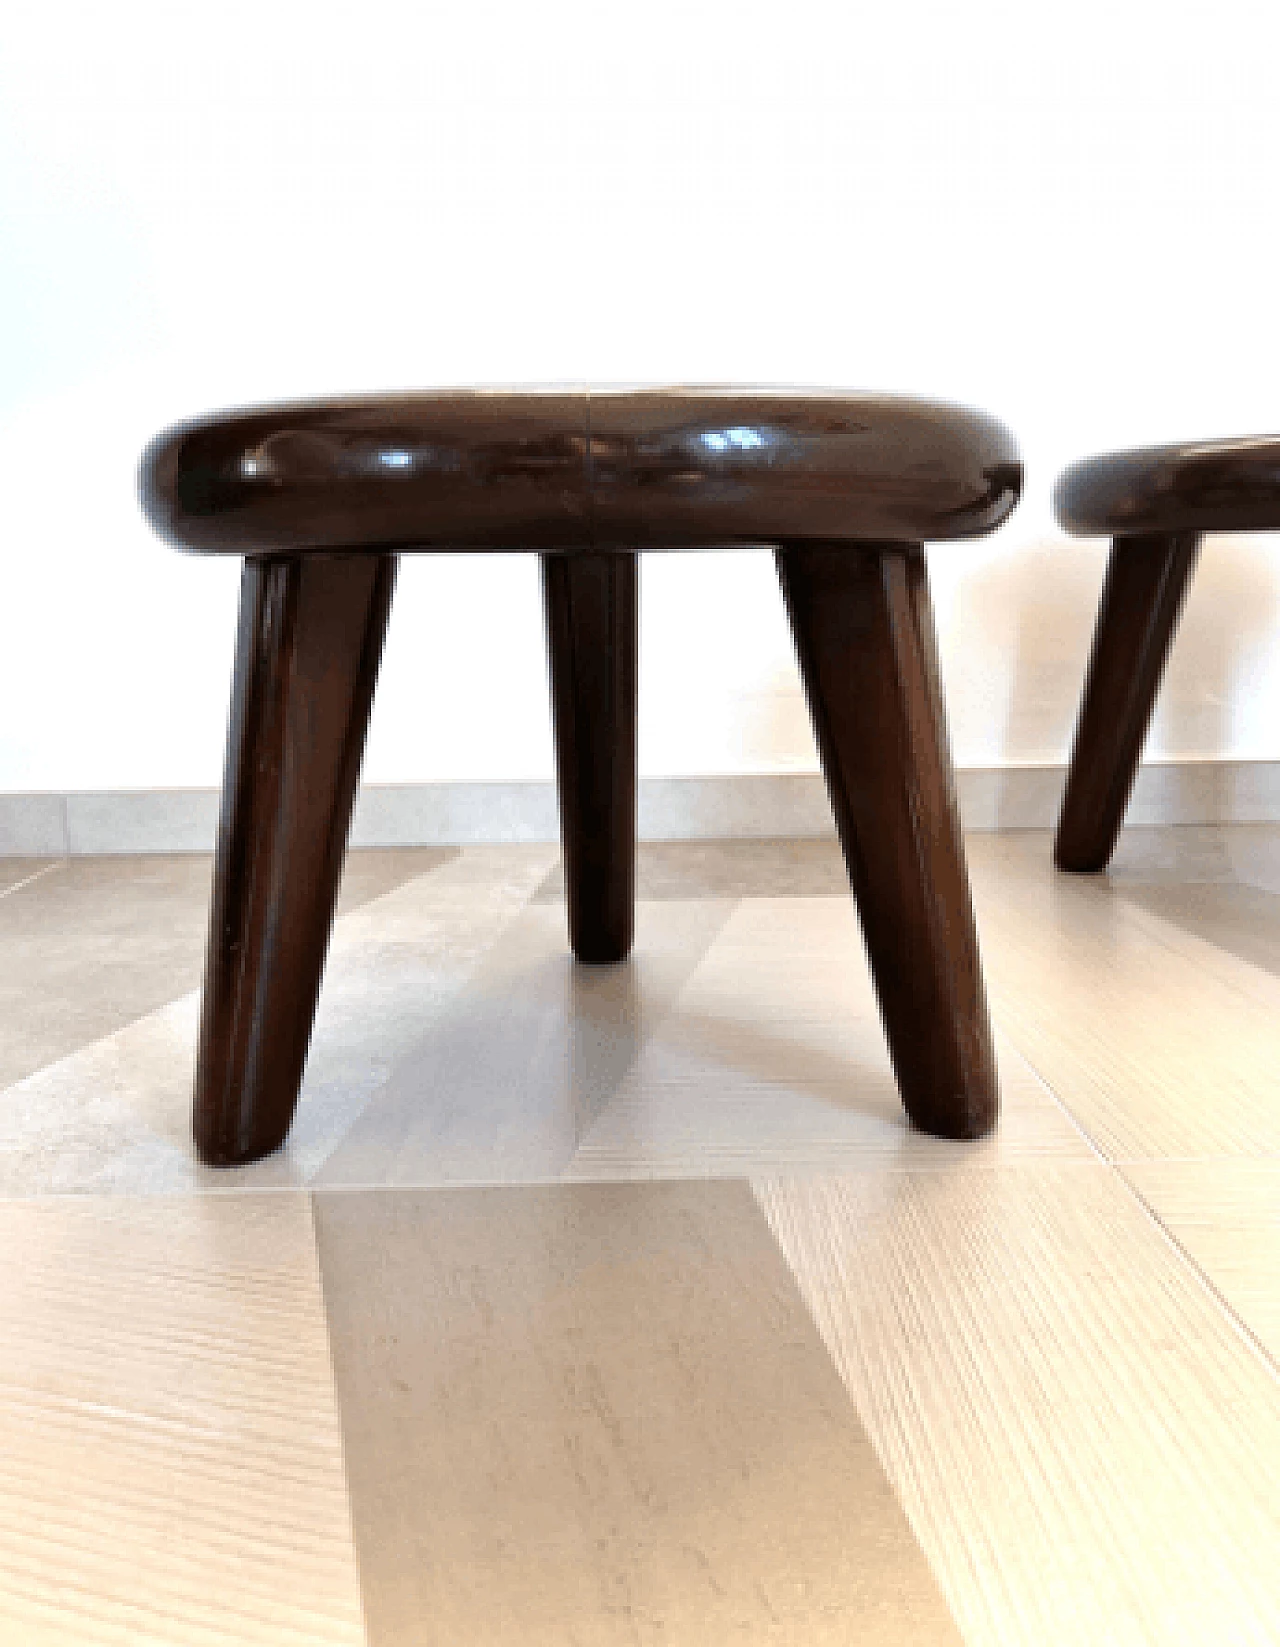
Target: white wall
[1063,213]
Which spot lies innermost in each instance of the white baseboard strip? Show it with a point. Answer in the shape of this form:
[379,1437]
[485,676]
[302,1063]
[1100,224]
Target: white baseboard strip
[83,823]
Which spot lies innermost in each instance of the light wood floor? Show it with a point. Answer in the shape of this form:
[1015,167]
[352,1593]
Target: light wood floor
[622,1306]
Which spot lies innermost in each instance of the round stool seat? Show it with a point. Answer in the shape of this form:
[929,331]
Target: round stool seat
[1195,486]
[579,470]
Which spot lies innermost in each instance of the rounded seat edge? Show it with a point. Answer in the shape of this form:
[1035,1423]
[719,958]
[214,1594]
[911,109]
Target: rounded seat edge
[578,470]
[1204,486]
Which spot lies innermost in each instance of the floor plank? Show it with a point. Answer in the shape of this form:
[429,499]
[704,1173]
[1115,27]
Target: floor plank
[1226,1215]
[503,1085]
[115,1117]
[1086,1445]
[170,1454]
[598,1415]
[774,1055]
[1160,1043]
[90,945]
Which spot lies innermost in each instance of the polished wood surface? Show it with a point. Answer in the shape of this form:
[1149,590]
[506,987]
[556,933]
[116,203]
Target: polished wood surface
[863,629]
[592,609]
[1195,486]
[425,471]
[683,468]
[307,656]
[579,470]
[1141,602]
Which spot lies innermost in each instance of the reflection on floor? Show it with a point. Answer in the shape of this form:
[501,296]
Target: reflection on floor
[621,1305]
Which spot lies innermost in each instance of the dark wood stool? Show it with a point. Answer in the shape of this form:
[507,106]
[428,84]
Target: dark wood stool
[321,498]
[1154,504]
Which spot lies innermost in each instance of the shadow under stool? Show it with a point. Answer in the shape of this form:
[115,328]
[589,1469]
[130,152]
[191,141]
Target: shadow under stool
[1155,504]
[321,498]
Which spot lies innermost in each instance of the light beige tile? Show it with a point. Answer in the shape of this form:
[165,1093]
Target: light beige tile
[599,1414]
[774,1055]
[396,966]
[1247,853]
[134,896]
[112,897]
[1226,1216]
[1161,1044]
[33,825]
[170,1454]
[60,993]
[745,804]
[501,1086]
[745,868]
[142,821]
[1087,1446]
[90,945]
[115,1116]
[1239,922]
[93,945]
[405,814]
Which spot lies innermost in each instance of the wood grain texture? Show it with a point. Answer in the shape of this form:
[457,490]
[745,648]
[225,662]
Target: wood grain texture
[773,1056]
[1226,1217]
[1147,581]
[592,607]
[863,628]
[1160,1043]
[170,1456]
[1086,1445]
[599,1414]
[307,654]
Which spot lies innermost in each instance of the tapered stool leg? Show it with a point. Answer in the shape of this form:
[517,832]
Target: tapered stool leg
[1142,598]
[307,654]
[863,630]
[592,609]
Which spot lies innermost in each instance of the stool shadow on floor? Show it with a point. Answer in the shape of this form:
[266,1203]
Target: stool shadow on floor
[535,1055]
[1243,921]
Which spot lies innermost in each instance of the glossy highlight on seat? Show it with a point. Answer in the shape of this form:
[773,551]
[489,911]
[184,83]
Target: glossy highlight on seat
[1193,486]
[424,471]
[579,470]
[683,468]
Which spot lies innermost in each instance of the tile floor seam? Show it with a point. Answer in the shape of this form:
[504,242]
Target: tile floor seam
[677,1114]
[336,1394]
[1085,1135]
[773,1191]
[920,1533]
[47,870]
[749,1175]
[1150,924]
[1243,1329]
